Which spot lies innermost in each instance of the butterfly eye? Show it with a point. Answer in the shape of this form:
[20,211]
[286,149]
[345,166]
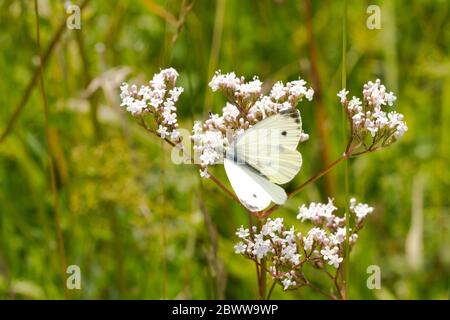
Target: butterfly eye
[284,133]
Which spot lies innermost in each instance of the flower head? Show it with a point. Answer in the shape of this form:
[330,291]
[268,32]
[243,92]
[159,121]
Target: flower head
[343,95]
[158,98]
[371,118]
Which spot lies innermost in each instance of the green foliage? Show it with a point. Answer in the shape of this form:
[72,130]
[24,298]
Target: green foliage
[135,222]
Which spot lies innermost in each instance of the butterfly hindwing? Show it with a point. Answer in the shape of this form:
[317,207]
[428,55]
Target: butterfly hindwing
[254,191]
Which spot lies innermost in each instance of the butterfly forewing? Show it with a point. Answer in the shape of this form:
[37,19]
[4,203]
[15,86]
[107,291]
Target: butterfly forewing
[269,146]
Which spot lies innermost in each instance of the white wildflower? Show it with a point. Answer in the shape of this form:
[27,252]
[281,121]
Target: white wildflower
[175,135]
[331,256]
[240,248]
[278,91]
[317,211]
[304,137]
[204,173]
[230,112]
[261,247]
[390,98]
[162,131]
[335,260]
[383,127]
[287,283]
[361,210]
[153,98]
[355,104]
[224,81]
[309,94]
[242,233]
[343,95]
[251,88]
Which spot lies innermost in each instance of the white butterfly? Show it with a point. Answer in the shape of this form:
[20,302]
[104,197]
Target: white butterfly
[262,157]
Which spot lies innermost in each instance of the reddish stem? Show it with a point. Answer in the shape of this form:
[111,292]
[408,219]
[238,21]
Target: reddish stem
[304,184]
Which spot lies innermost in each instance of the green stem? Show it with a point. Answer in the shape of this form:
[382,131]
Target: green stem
[215,49]
[53,187]
[34,79]
[322,292]
[318,96]
[345,268]
[261,274]
[271,290]
[163,224]
[94,97]
[263,280]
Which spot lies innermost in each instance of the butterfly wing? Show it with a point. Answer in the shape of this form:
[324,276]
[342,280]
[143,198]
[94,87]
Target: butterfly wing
[254,191]
[270,146]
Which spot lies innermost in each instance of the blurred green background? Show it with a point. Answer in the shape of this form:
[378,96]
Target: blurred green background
[141,227]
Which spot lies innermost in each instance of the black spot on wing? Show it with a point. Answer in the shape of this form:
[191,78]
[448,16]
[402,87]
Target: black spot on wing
[250,207]
[292,112]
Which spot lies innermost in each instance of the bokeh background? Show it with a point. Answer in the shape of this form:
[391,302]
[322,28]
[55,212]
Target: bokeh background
[142,227]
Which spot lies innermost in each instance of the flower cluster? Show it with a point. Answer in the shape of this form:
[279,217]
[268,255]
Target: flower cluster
[158,98]
[369,117]
[278,245]
[361,210]
[286,250]
[246,105]
[329,232]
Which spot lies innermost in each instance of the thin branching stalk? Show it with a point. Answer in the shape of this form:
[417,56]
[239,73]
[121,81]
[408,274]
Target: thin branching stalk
[261,275]
[262,283]
[346,264]
[215,48]
[114,28]
[311,179]
[34,79]
[163,224]
[161,12]
[316,288]
[215,262]
[54,190]
[272,287]
[317,84]
[339,284]
[93,99]
[345,156]
[171,21]
[162,185]
[117,249]
[186,8]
